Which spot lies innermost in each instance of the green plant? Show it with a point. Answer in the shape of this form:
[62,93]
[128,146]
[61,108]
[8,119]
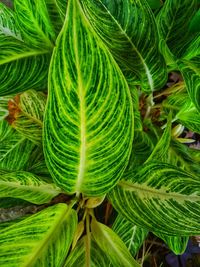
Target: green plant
[108,132]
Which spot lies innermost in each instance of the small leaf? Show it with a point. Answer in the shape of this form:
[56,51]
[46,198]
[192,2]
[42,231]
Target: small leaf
[132,235]
[112,245]
[177,244]
[159,197]
[94,202]
[26,186]
[42,239]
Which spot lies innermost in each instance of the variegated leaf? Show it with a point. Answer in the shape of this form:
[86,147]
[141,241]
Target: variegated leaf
[28,118]
[34,23]
[15,149]
[88,144]
[27,186]
[191,75]
[177,244]
[133,44]
[173,24]
[132,235]
[112,245]
[21,67]
[159,197]
[42,239]
[79,256]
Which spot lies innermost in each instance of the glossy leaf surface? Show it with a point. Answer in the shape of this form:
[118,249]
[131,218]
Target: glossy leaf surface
[89,142]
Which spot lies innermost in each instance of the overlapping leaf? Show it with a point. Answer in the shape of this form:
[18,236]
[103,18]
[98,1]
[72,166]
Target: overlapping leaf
[21,66]
[112,245]
[159,197]
[173,24]
[57,11]
[191,75]
[177,244]
[42,239]
[132,235]
[78,257]
[88,126]
[129,30]
[27,186]
[28,118]
[15,149]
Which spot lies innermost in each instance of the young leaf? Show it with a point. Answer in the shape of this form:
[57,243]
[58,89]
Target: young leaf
[28,119]
[34,23]
[15,149]
[159,197]
[112,245]
[27,186]
[173,24]
[42,239]
[132,235]
[177,244]
[89,143]
[129,30]
[78,256]
[21,67]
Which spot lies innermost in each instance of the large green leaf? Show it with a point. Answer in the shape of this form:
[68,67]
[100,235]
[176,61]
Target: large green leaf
[15,149]
[21,67]
[159,197]
[88,126]
[112,245]
[42,239]
[177,244]
[129,30]
[195,22]
[27,186]
[28,119]
[34,23]
[173,24]
[132,235]
[79,257]
[4,107]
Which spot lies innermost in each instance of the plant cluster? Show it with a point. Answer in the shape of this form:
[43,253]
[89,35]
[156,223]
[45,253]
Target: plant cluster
[94,137]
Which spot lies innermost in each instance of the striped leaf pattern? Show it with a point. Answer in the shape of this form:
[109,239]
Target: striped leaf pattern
[28,119]
[173,24]
[88,144]
[57,11]
[112,245]
[27,186]
[15,149]
[4,107]
[191,75]
[42,239]
[133,44]
[78,256]
[177,244]
[21,67]
[132,235]
[159,197]
[34,23]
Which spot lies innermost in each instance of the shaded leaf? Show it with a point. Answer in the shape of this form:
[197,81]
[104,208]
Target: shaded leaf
[129,30]
[177,244]
[42,239]
[195,22]
[88,145]
[132,235]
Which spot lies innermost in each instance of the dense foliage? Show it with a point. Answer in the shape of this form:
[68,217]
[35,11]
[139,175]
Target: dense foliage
[90,122]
